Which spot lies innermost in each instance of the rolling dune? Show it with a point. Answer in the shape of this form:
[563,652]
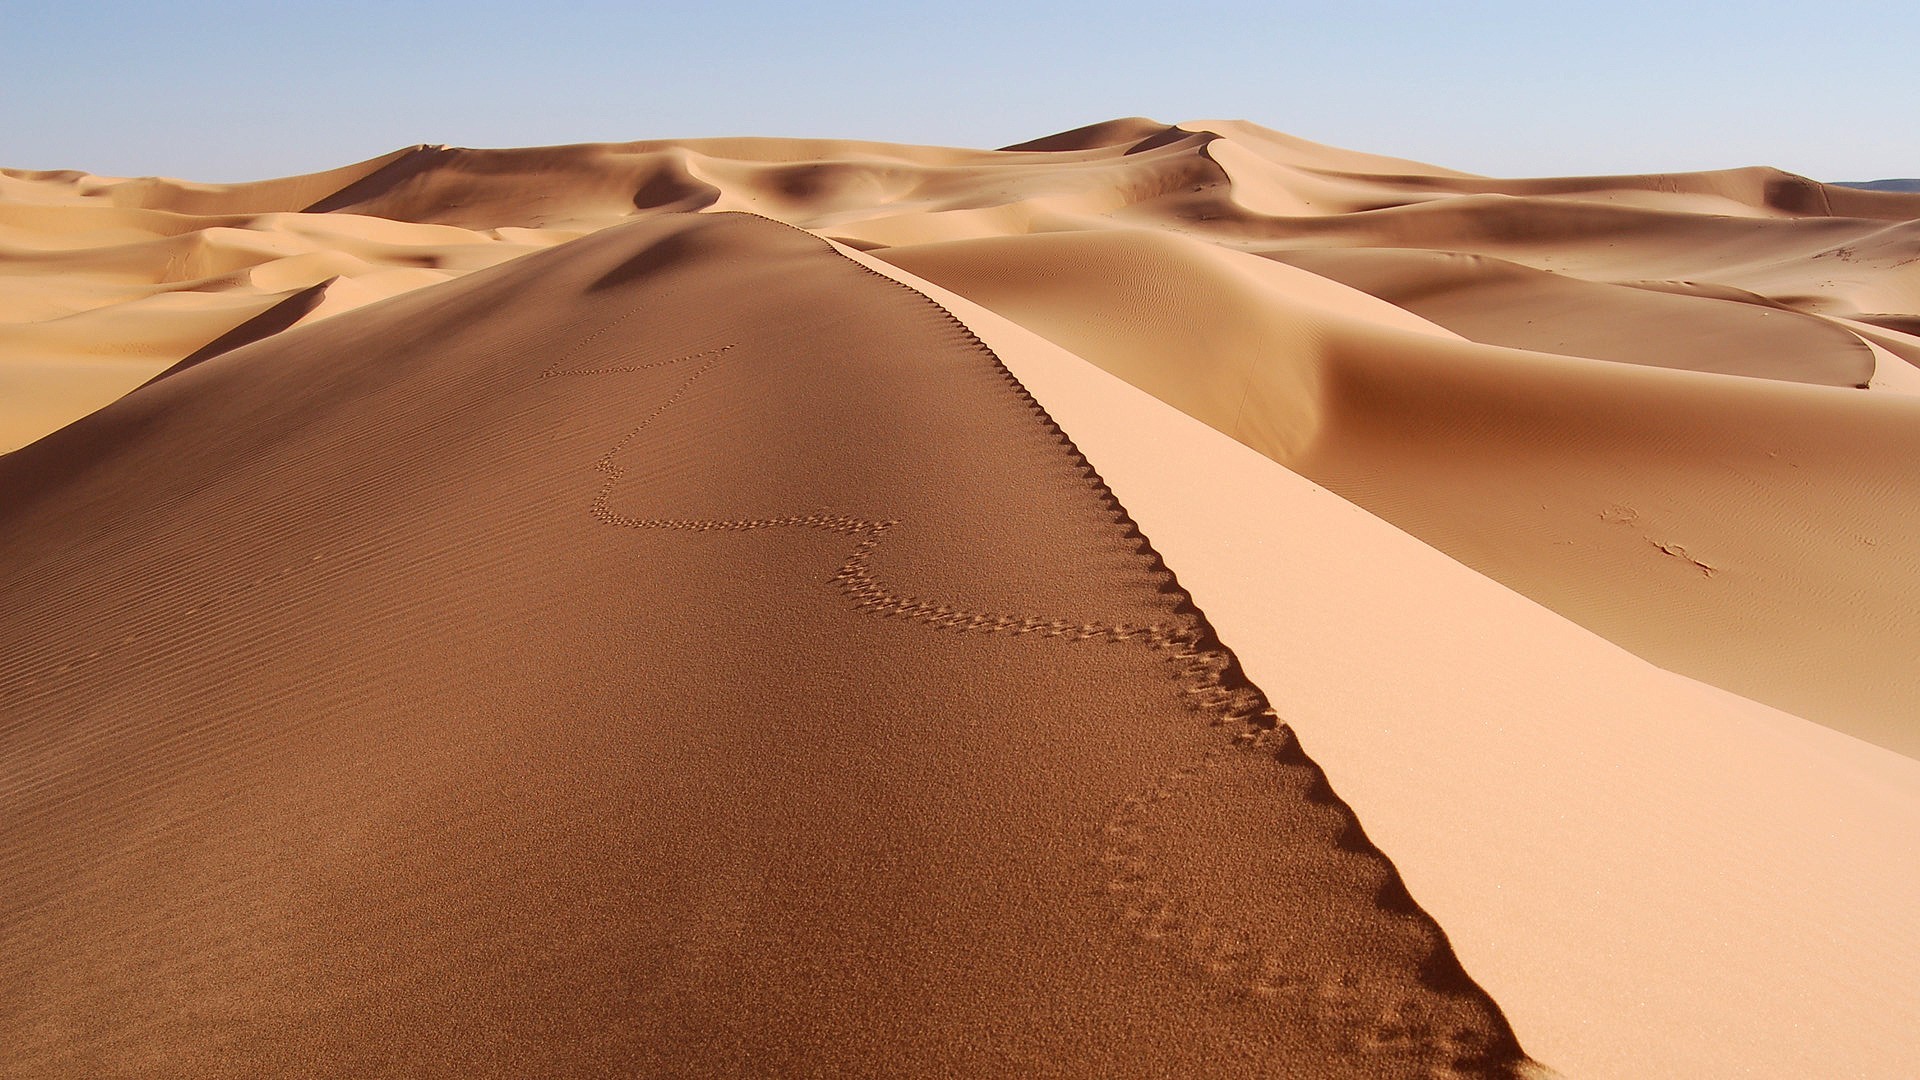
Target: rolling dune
[541,611]
[1611,847]
[509,712]
[1758,534]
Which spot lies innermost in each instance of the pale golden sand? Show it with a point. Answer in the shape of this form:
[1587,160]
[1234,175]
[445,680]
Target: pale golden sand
[1611,847]
[822,720]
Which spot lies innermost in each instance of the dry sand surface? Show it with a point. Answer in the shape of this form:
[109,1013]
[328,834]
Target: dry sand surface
[533,619]
[1612,848]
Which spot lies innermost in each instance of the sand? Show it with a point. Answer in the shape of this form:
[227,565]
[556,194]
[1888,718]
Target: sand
[533,617]
[648,675]
[1512,760]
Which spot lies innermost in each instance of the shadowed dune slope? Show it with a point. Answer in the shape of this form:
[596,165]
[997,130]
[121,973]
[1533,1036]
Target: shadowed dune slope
[683,653]
[692,626]
[96,297]
[95,253]
[1501,303]
[1134,243]
[1760,535]
[1623,849]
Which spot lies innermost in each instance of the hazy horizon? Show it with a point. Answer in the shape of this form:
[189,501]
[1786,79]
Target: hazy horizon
[225,92]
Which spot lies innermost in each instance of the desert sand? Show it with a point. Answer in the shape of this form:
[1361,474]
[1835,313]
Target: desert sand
[1155,600]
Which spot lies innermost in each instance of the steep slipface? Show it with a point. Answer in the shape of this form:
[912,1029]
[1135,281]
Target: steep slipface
[681,653]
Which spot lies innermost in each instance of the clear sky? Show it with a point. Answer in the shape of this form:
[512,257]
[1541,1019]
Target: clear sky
[234,91]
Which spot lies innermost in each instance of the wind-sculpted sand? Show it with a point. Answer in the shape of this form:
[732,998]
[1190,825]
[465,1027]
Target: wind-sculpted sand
[689,653]
[629,609]
[1149,250]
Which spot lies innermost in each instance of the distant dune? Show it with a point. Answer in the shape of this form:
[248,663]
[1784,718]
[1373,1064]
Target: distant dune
[1882,185]
[1152,600]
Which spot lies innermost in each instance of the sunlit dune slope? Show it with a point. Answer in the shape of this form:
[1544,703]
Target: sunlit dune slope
[1610,846]
[1481,375]
[686,652]
[532,618]
[1758,534]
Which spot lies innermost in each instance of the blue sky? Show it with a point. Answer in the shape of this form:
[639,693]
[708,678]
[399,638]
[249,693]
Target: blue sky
[231,91]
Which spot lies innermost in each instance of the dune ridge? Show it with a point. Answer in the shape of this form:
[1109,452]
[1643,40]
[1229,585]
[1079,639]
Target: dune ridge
[1723,830]
[439,770]
[319,548]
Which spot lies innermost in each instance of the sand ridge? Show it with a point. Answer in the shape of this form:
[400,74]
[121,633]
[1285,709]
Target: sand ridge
[1205,668]
[1677,410]
[441,768]
[1513,760]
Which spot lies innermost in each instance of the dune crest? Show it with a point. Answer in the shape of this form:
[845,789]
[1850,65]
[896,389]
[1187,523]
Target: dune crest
[620,575]
[710,661]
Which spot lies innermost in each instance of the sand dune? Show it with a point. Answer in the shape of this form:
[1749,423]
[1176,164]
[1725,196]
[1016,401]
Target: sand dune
[103,284]
[1500,303]
[1514,760]
[1909,185]
[494,702]
[687,650]
[1728,529]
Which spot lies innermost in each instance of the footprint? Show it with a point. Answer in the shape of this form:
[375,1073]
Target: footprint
[1246,869]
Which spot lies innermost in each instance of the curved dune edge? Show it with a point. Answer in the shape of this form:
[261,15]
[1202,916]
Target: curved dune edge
[1653,876]
[467,684]
[1754,533]
[110,281]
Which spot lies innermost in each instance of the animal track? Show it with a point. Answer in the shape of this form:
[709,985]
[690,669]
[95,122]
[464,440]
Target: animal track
[1140,872]
[1204,671]
[1140,876]
[1211,935]
[1433,1018]
[555,369]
